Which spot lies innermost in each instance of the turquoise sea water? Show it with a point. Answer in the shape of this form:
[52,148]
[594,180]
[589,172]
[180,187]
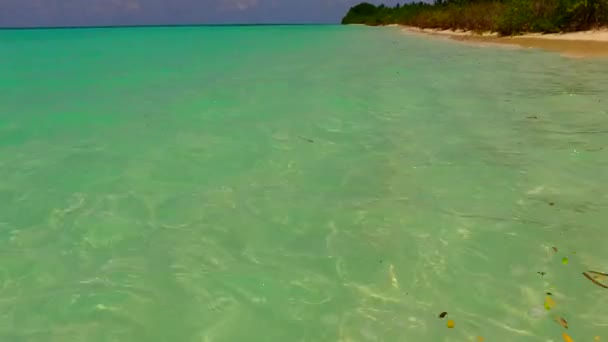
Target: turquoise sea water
[299,183]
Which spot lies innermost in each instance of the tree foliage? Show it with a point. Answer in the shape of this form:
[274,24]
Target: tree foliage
[502,16]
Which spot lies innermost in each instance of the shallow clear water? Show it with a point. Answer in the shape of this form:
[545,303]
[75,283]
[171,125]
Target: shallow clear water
[318,183]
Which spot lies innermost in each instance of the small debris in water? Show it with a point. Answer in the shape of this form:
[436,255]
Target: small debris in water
[479,338]
[443,314]
[532,117]
[450,324]
[562,322]
[551,203]
[303,138]
[554,249]
[549,294]
[596,338]
[567,338]
[542,274]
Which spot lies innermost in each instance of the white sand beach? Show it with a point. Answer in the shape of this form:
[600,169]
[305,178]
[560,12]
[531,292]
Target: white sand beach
[592,43]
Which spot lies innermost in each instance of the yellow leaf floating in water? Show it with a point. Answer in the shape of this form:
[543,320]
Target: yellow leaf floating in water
[596,338]
[549,303]
[479,338]
[450,324]
[565,260]
[567,338]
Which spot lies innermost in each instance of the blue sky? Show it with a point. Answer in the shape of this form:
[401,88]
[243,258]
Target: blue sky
[28,13]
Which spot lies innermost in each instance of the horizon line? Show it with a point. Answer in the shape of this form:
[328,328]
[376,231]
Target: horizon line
[156,25]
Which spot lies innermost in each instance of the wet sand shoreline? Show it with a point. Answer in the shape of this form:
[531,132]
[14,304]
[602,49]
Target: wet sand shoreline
[592,43]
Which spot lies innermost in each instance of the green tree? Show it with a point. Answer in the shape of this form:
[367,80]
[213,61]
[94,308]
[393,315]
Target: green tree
[503,16]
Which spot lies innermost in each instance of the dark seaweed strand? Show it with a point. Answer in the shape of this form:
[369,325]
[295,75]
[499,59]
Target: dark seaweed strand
[594,281]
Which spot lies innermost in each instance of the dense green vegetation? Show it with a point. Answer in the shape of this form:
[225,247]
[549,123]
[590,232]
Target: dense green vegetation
[506,17]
